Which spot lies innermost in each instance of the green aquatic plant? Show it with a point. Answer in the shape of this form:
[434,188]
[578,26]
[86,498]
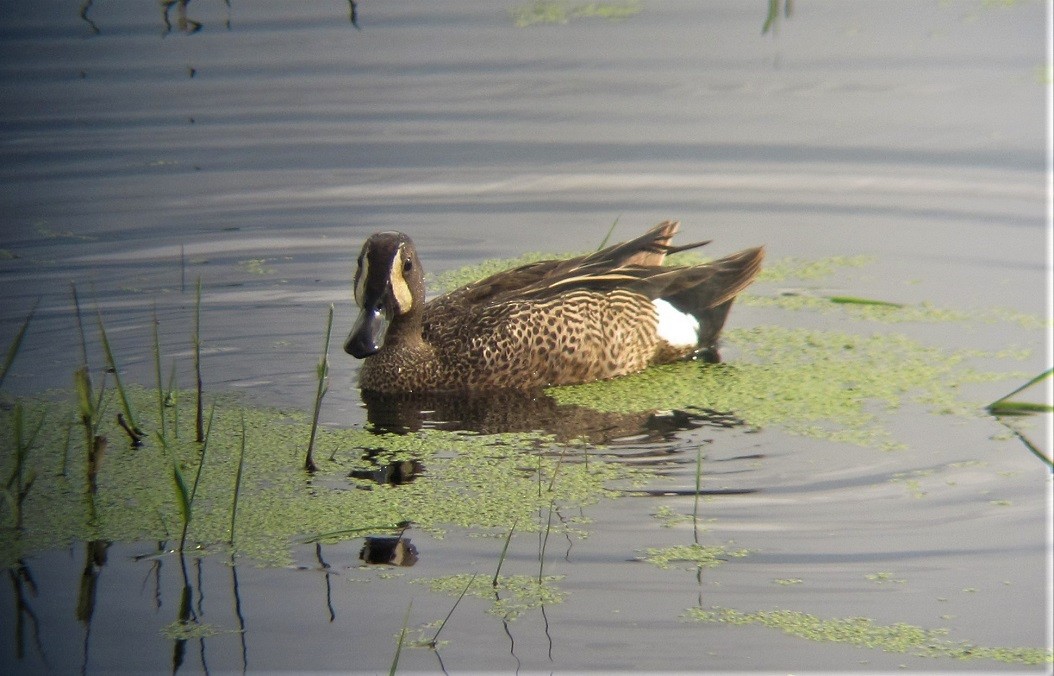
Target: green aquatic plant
[253,500]
[199,411]
[1007,405]
[698,555]
[816,383]
[322,371]
[17,486]
[157,375]
[561,11]
[16,344]
[773,16]
[900,638]
[129,422]
[853,300]
[511,597]
[400,639]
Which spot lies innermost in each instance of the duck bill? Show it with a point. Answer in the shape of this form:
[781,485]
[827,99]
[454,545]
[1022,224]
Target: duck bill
[367,335]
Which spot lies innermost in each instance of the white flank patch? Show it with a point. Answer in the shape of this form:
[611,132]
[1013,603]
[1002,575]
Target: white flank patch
[676,327]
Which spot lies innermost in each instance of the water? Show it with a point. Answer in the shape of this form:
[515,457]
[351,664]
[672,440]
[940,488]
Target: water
[258,152]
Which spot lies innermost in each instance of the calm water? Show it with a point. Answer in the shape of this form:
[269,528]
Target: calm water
[258,152]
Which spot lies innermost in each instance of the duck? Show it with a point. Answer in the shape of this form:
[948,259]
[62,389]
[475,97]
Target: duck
[567,321]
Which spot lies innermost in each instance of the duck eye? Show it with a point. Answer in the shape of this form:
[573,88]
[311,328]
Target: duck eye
[408,264]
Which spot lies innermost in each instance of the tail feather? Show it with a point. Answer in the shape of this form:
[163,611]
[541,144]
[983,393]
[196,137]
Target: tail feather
[707,291]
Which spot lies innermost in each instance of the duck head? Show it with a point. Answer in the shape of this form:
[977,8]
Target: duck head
[389,286]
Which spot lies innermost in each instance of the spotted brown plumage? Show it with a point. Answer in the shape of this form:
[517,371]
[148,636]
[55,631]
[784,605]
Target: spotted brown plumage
[554,322]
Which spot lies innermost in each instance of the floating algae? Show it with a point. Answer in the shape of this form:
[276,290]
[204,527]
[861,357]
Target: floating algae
[511,595]
[815,383]
[699,556]
[477,482]
[900,638]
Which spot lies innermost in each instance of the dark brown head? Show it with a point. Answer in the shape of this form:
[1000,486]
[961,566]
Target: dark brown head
[389,285]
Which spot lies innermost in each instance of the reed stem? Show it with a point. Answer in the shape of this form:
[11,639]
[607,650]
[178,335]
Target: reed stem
[200,410]
[323,386]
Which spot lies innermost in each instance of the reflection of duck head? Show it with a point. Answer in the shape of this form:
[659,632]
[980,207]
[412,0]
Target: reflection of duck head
[552,322]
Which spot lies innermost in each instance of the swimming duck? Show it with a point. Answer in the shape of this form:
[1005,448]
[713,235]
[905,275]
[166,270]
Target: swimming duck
[553,322]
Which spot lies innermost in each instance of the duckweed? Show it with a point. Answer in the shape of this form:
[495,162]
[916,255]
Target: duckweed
[481,483]
[823,384]
[557,12]
[699,555]
[817,383]
[900,638]
[511,596]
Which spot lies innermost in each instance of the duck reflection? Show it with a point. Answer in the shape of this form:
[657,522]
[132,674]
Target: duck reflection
[388,550]
[391,474]
[511,411]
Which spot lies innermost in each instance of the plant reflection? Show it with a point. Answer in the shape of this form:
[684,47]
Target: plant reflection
[21,582]
[94,560]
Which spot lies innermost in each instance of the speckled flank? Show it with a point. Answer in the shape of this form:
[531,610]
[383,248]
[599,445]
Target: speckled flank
[552,322]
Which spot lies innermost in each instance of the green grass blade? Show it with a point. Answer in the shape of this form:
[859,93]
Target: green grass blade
[1018,408]
[200,411]
[201,459]
[237,476]
[16,344]
[504,550]
[171,399]
[183,498]
[80,324]
[853,300]
[442,624]
[1004,406]
[111,363]
[607,237]
[157,374]
[401,640]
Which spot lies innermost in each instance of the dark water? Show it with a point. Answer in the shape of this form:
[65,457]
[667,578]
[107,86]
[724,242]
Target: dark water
[257,152]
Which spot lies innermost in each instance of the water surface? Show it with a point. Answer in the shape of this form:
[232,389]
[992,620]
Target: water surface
[258,151]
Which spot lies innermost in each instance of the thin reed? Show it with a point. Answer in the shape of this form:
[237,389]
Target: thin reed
[504,550]
[322,370]
[698,488]
[157,374]
[435,638]
[16,344]
[128,422]
[401,639]
[18,485]
[237,476]
[200,410]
